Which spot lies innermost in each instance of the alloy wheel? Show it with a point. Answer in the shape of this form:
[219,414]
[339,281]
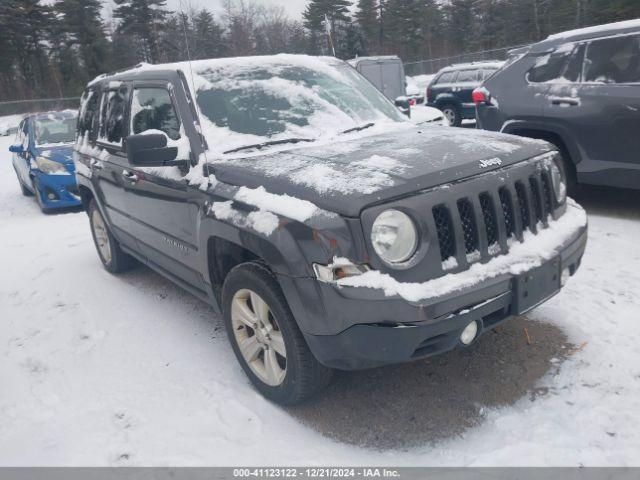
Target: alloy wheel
[258,337]
[101,235]
[450,115]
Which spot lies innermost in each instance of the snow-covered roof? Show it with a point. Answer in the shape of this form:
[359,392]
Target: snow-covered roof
[377,58]
[483,63]
[56,115]
[200,66]
[597,29]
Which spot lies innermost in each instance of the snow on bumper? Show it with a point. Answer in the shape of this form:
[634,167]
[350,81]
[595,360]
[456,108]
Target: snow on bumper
[522,256]
[379,321]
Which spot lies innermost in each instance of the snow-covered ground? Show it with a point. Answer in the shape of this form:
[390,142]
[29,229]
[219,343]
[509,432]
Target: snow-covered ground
[99,369]
[421,81]
[8,122]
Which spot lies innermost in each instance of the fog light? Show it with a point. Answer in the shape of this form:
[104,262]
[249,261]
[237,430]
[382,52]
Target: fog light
[469,333]
[566,273]
[51,196]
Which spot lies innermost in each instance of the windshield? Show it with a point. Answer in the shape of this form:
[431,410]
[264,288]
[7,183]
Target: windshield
[53,129]
[257,103]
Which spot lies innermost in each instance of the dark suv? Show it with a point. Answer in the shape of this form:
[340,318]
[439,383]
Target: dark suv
[328,230]
[579,90]
[452,87]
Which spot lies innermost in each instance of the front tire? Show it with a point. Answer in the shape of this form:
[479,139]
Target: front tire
[25,191]
[266,339]
[110,253]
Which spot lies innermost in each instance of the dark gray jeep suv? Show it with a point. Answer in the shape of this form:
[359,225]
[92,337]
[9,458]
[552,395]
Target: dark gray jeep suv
[328,230]
[579,90]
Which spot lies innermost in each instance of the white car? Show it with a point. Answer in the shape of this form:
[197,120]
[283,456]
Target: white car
[423,114]
[9,124]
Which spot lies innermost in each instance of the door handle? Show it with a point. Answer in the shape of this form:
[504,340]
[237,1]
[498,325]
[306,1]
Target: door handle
[573,102]
[130,176]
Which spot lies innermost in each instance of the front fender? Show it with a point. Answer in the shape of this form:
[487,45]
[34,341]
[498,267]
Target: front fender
[290,246]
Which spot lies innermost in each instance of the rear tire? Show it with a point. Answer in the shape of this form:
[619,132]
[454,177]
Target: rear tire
[257,316]
[452,114]
[109,252]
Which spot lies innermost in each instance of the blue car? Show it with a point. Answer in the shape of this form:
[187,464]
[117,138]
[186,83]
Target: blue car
[43,159]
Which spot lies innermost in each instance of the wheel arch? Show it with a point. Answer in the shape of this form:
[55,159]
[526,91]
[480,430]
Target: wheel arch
[86,195]
[446,99]
[552,134]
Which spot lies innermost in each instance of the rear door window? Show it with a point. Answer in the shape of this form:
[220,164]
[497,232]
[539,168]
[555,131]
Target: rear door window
[152,109]
[613,60]
[446,77]
[112,112]
[551,66]
[88,115]
[467,76]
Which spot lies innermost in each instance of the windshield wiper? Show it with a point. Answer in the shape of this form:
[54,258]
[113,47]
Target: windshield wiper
[361,127]
[269,143]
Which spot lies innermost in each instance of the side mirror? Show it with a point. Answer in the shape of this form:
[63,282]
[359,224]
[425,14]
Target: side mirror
[151,151]
[16,148]
[403,105]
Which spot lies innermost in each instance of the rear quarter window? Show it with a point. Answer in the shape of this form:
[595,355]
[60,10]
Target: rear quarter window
[88,114]
[551,66]
[112,116]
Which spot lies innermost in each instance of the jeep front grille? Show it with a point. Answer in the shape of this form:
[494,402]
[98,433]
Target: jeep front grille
[536,210]
[485,223]
[489,216]
[506,205]
[547,193]
[469,227]
[446,235]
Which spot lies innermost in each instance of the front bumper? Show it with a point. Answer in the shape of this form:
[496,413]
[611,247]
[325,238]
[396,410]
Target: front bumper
[398,331]
[57,191]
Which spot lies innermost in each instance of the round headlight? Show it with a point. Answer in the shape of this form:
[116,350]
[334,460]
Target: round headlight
[559,184]
[394,236]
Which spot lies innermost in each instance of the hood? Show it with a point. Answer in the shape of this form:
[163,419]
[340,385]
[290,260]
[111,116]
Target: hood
[347,176]
[62,153]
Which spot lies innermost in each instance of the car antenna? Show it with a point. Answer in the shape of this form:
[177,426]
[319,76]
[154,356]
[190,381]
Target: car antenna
[193,83]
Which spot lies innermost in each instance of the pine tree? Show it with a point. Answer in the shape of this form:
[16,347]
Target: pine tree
[337,11]
[24,26]
[82,23]
[460,25]
[403,22]
[368,18]
[208,36]
[143,21]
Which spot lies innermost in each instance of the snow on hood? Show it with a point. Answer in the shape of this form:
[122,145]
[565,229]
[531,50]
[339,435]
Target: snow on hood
[346,176]
[58,152]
